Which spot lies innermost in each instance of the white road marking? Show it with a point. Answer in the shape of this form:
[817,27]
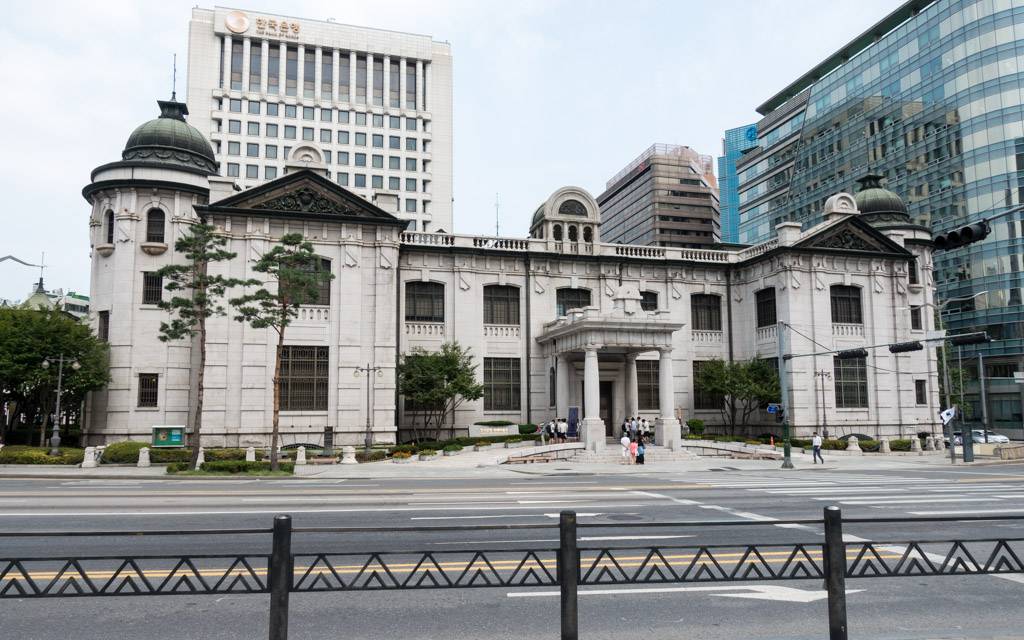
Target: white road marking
[760,592]
[86,514]
[884,501]
[583,539]
[964,512]
[662,496]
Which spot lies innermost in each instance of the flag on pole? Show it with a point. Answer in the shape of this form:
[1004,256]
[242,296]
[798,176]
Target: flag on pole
[948,415]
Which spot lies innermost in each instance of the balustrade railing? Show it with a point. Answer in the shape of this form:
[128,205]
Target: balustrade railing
[847,330]
[501,331]
[424,329]
[706,337]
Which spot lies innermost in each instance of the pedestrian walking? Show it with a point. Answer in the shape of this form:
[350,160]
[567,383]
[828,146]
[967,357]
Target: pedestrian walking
[624,441]
[640,450]
[563,430]
[633,446]
[816,448]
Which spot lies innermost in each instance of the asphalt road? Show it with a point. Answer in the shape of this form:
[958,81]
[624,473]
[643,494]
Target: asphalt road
[615,512]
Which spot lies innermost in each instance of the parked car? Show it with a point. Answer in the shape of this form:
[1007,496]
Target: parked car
[978,435]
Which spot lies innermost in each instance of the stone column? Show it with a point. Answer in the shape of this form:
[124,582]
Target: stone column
[352,77]
[300,76]
[336,74]
[264,66]
[562,386]
[666,428]
[318,71]
[632,399]
[246,50]
[428,80]
[282,70]
[419,86]
[401,83]
[369,81]
[387,82]
[226,77]
[593,425]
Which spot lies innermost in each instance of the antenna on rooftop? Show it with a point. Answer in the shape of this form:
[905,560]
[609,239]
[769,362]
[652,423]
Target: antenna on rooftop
[174,78]
[497,220]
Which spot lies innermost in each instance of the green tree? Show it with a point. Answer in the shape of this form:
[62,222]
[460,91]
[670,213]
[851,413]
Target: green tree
[743,387]
[27,338]
[437,383]
[294,274]
[196,296]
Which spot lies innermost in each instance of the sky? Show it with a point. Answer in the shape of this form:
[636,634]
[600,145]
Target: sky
[547,93]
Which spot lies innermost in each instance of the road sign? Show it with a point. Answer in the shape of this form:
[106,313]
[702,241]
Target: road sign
[773,408]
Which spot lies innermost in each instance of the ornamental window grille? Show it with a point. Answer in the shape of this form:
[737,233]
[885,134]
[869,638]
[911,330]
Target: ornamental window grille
[502,384]
[572,208]
[152,287]
[649,300]
[424,302]
[706,312]
[149,387]
[846,308]
[155,226]
[103,326]
[501,304]
[304,377]
[765,303]
[704,400]
[647,389]
[851,380]
[557,233]
[568,299]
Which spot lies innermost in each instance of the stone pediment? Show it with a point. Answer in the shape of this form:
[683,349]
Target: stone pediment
[851,234]
[304,194]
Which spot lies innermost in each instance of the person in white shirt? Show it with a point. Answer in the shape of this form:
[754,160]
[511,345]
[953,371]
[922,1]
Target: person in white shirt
[624,441]
[816,448]
[563,430]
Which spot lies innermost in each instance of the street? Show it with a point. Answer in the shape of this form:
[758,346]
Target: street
[614,511]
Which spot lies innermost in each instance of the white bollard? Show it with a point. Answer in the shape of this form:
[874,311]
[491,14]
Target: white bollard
[915,444]
[883,446]
[250,454]
[940,443]
[852,444]
[89,461]
[929,444]
[202,458]
[300,456]
[143,457]
[348,455]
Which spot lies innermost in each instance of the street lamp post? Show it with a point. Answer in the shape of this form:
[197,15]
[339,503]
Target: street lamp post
[823,375]
[55,437]
[370,372]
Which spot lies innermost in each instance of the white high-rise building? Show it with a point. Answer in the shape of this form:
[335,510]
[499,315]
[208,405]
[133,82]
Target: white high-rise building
[372,107]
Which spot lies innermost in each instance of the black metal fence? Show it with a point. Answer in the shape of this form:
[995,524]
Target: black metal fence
[285,571]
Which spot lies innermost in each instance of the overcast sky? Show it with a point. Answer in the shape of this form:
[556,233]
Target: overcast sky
[547,93]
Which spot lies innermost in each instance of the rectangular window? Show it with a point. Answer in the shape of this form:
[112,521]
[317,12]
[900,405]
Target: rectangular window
[304,374]
[252,128]
[648,299]
[502,384]
[410,205]
[394,122]
[377,182]
[291,71]
[234,148]
[343,78]
[327,76]
[361,119]
[378,161]
[912,271]
[343,137]
[851,378]
[152,288]
[410,85]
[326,135]
[410,124]
[327,157]
[410,144]
[307,133]
[233,169]
[394,184]
[394,142]
[343,117]
[424,302]
[394,96]
[360,159]
[501,305]
[765,303]
[309,73]
[234,126]
[272,109]
[378,121]
[410,164]
[236,65]
[270,173]
[921,391]
[254,107]
[273,71]
[343,157]
[252,171]
[378,141]
[846,305]
[235,105]
[704,400]
[647,388]
[706,312]
[290,111]
[149,388]
[271,130]
[326,115]
[360,139]
[343,179]
[915,319]
[361,79]
[360,180]
[289,132]
[394,162]
[378,81]
[252,150]
[271,151]
[103,326]
[255,64]
[308,113]
[568,299]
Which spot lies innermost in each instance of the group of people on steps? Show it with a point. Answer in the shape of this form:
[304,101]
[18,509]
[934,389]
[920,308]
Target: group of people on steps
[636,433]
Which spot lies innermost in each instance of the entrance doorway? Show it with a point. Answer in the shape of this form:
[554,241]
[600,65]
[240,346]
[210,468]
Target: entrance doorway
[608,408]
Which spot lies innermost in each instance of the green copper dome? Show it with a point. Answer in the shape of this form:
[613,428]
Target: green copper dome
[170,141]
[875,201]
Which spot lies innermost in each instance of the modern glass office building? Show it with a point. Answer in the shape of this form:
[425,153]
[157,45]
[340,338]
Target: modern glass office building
[735,142]
[930,97]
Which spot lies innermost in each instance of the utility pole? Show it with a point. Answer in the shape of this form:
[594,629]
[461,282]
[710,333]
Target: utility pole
[787,451]
[823,375]
[370,372]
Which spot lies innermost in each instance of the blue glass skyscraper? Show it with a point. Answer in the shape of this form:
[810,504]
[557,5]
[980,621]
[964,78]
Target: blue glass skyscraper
[735,142]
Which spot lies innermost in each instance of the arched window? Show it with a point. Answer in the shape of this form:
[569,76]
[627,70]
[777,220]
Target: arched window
[588,234]
[572,208]
[705,312]
[108,222]
[649,300]
[556,233]
[573,233]
[501,304]
[155,226]
[424,302]
[846,307]
[568,299]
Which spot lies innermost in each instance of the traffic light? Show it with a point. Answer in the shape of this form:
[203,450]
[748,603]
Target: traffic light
[962,236]
[969,338]
[904,347]
[852,353]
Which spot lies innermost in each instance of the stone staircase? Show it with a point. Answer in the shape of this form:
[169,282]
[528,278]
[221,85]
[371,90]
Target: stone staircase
[612,454]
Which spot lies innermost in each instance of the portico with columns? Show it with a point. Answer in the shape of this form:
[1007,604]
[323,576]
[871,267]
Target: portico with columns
[608,346]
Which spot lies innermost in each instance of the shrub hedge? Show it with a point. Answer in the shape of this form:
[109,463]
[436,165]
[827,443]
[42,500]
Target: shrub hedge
[374,456]
[527,429]
[439,445]
[230,467]
[695,426]
[23,454]
[126,452]
[495,423]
